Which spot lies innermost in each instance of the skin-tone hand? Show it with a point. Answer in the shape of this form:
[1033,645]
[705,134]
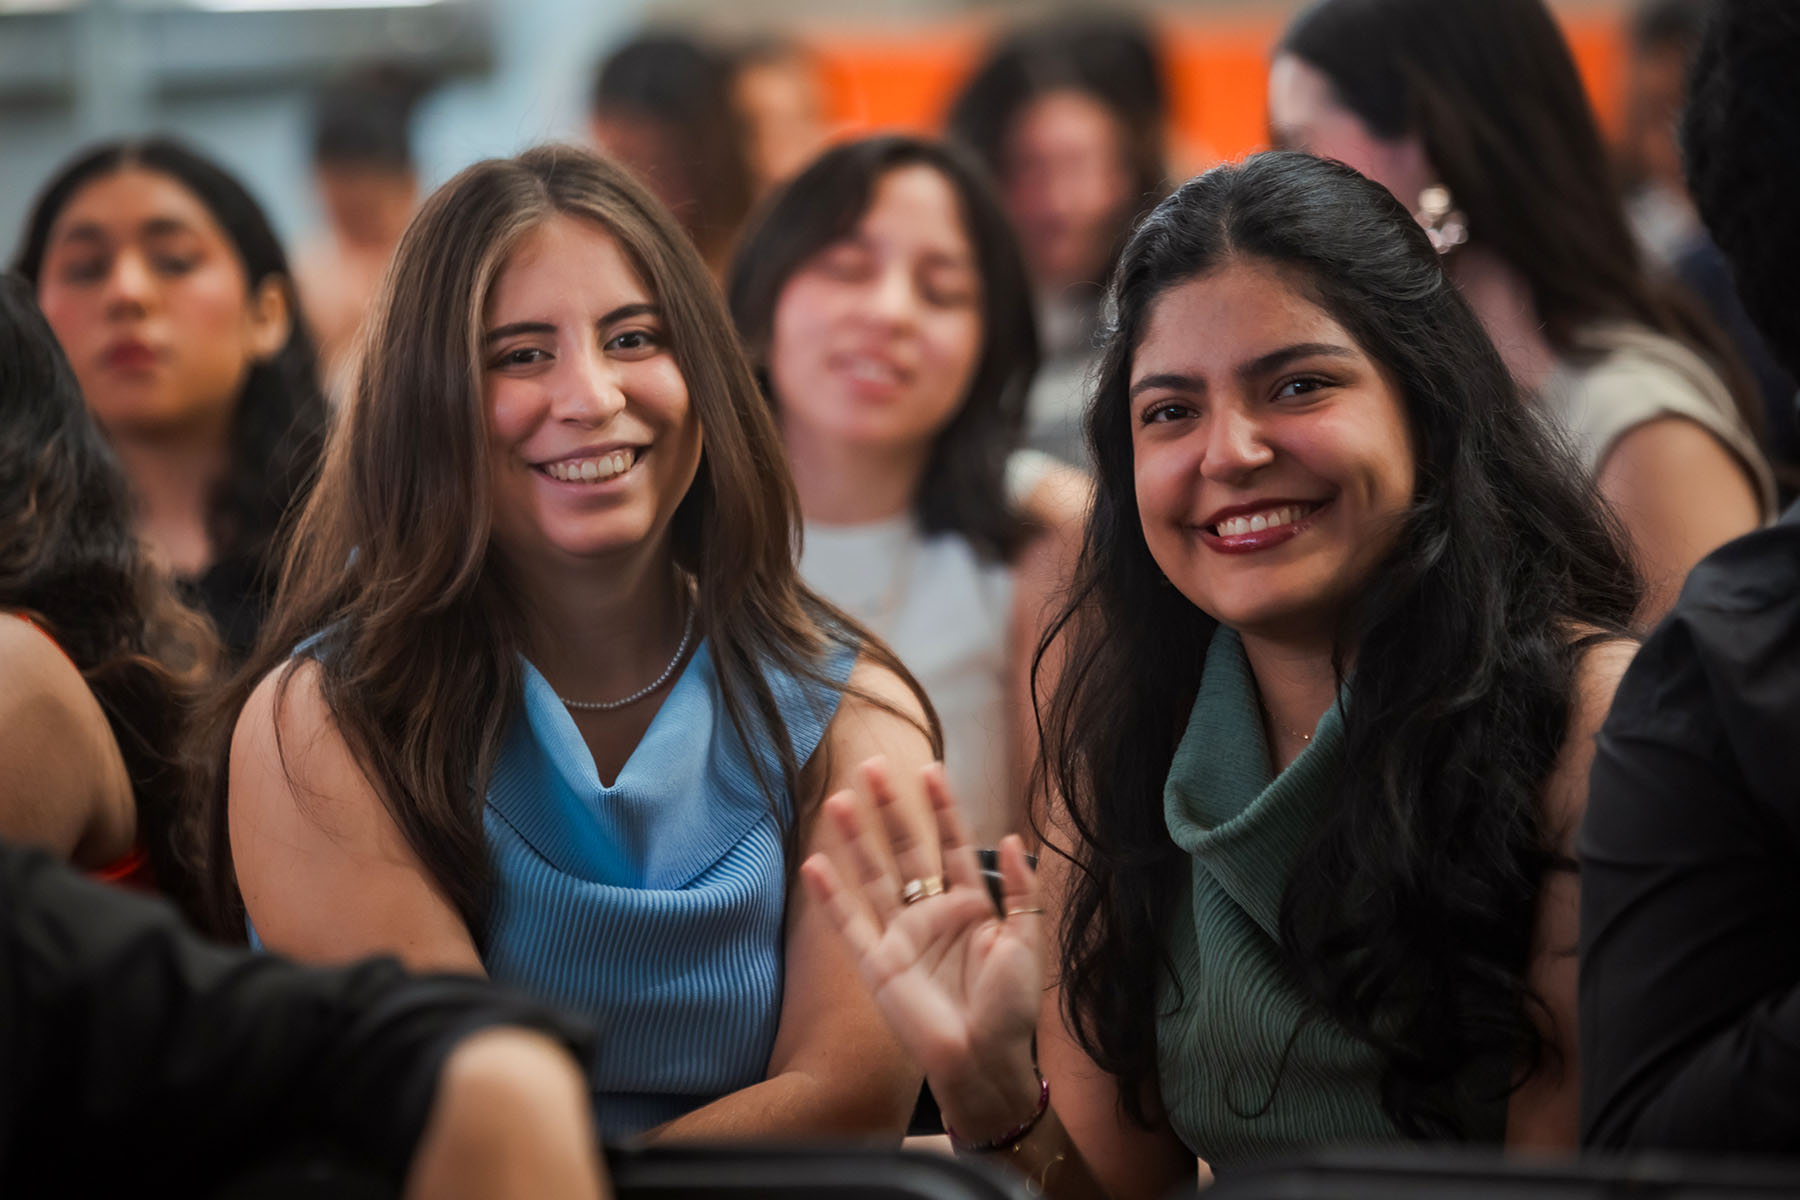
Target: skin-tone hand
[959,983]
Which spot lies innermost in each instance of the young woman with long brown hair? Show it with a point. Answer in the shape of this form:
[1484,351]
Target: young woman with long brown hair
[542,695]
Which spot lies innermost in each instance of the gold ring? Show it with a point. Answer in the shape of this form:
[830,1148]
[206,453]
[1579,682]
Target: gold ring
[1019,912]
[918,889]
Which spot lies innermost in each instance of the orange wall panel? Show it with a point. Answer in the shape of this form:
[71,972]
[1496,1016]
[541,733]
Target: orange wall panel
[1217,72]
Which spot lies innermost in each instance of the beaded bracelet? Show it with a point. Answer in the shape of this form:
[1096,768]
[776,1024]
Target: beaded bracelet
[1012,1137]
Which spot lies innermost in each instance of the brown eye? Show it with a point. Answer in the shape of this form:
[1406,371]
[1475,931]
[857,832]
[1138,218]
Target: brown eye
[634,342]
[1300,386]
[84,270]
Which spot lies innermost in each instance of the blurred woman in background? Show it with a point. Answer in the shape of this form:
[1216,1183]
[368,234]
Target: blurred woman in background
[173,300]
[778,85]
[887,311]
[103,665]
[543,697]
[1471,112]
[1070,117]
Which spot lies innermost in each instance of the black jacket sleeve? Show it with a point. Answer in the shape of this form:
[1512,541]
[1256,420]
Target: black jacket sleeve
[133,1052]
[1690,872]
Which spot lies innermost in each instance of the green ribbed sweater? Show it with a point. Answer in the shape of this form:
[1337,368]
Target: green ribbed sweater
[1221,1038]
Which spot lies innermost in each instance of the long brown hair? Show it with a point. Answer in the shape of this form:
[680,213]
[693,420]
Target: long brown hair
[391,562]
[71,559]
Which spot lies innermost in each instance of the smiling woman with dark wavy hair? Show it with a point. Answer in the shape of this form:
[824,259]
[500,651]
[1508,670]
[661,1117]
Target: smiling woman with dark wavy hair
[1344,624]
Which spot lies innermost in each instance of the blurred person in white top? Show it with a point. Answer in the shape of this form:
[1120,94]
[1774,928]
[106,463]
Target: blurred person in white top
[887,310]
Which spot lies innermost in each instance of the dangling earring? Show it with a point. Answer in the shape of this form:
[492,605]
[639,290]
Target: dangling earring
[1443,222]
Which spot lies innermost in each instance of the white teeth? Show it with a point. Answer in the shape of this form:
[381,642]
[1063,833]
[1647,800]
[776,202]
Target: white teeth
[1238,526]
[592,470]
[869,370]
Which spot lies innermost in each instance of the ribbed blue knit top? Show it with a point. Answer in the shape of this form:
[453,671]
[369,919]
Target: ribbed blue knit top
[652,907]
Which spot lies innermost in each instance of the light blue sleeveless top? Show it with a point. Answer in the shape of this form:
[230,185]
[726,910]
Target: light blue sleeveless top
[653,907]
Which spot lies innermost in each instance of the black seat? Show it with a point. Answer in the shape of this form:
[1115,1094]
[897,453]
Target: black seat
[804,1172]
[1436,1174]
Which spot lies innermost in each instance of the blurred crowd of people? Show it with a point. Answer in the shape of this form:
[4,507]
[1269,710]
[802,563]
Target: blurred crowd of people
[799,613]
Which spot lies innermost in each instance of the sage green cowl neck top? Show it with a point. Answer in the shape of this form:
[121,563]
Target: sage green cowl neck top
[1223,1036]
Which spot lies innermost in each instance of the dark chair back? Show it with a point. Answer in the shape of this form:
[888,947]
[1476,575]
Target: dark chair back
[803,1173]
[1443,1174]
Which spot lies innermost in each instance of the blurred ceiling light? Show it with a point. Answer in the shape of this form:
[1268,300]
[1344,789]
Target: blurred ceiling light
[303,5]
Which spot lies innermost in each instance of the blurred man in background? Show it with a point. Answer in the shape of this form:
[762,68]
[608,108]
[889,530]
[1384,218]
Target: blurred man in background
[368,186]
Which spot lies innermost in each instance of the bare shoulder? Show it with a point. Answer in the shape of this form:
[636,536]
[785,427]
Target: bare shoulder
[879,715]
[288,755]
[37,672]
[326,873]
[1597,673]
[1676,460]
[877,696]
[63,781]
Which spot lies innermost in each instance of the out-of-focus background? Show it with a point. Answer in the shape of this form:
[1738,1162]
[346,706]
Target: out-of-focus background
[240,79]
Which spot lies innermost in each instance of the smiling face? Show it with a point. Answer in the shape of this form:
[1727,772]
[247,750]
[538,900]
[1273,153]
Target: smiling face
[1272,457]
[876,337]
[153,307]
[591,440]
[1306,114]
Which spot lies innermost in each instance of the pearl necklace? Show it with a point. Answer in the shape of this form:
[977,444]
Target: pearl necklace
[687,633]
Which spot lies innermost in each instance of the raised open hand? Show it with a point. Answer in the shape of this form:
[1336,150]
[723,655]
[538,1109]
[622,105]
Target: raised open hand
[959,982]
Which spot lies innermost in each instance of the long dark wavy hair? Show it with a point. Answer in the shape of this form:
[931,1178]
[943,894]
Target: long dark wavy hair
[69,559]
[963,489]
[1409,917]
[393,559]
[1491,89]
[279,428]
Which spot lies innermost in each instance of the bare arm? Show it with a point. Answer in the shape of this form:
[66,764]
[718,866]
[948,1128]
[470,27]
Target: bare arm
[1124,1158]
[63,783]
[510,1119]
[326,874]
[1680,495]
[836,1068]
[1545,1114]
[1059,506]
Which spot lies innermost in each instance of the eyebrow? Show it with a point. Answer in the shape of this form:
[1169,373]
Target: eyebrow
[938,259]
[622,313]
[89,231]
[164,226]
[1272,361]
